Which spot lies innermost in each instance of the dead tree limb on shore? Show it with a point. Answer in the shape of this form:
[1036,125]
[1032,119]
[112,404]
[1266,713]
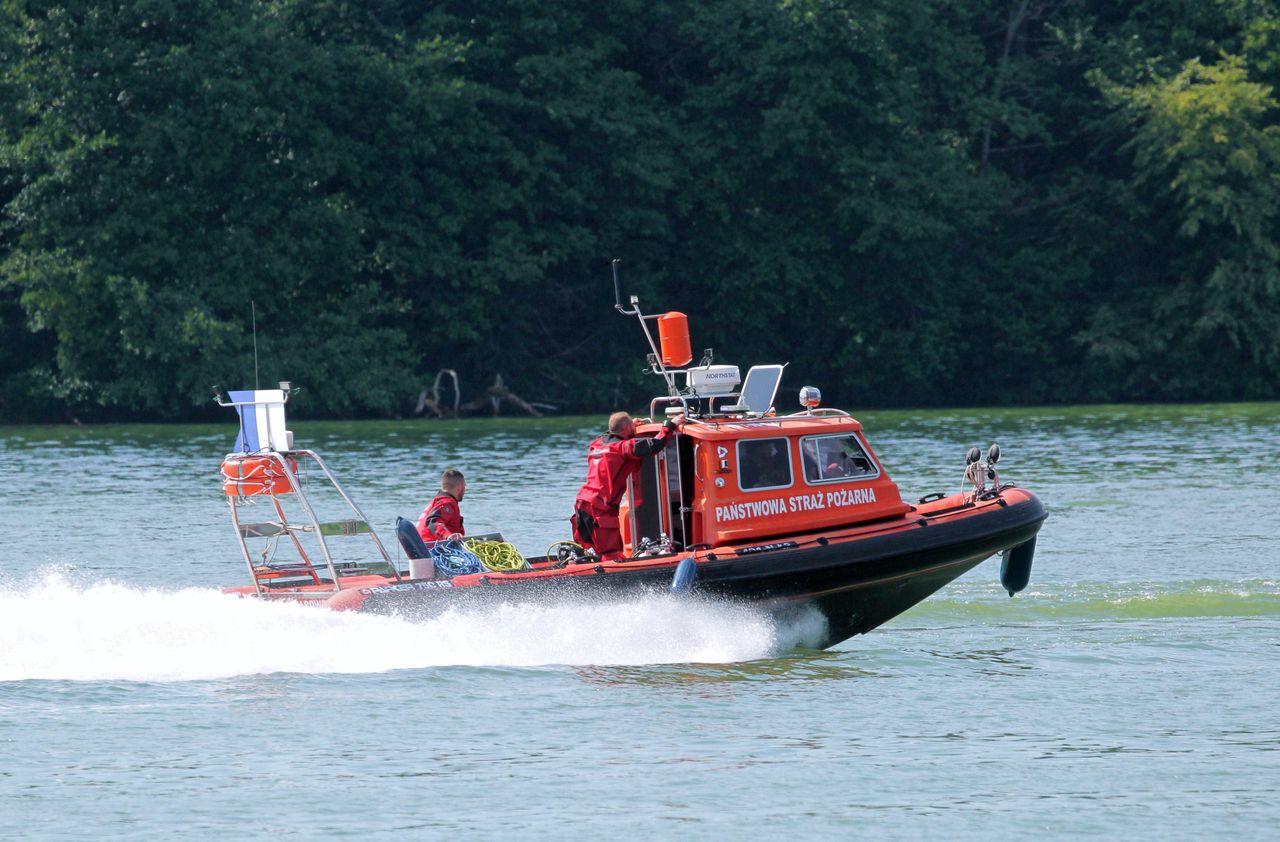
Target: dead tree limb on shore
[430,398]
[493,397]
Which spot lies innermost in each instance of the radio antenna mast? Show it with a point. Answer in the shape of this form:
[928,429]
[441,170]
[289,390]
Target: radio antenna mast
[253,313]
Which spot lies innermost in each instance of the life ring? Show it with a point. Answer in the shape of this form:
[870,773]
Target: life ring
[250,476]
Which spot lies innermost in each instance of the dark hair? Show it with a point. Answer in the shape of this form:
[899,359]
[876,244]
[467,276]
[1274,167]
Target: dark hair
[450,479]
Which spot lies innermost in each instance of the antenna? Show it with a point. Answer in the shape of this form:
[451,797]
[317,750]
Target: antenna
[617,294]
[253,312]
[656,358]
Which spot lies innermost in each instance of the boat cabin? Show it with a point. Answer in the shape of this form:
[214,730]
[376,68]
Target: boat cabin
[739,472]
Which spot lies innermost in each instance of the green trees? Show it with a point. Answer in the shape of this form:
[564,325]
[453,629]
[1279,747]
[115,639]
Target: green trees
[824,199]
[913,202]
[1207,156]
[181,160]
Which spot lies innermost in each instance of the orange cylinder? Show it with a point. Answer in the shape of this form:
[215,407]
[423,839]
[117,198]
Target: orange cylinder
[673,338]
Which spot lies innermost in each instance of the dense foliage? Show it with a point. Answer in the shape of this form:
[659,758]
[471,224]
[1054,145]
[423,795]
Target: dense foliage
[915,202]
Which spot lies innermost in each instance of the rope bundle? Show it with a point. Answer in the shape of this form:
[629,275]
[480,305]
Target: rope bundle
[452,558]
[497,556]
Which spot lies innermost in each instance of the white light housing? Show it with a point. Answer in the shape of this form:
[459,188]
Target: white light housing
[810,397]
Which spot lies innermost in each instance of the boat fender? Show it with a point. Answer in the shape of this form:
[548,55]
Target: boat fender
[347,600]
[1015,566]
[686,573]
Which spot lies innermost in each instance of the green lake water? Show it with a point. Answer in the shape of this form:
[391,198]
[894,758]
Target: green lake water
[1131,691]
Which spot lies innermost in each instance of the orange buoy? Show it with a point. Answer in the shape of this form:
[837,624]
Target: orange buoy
[249,476]
[673,336]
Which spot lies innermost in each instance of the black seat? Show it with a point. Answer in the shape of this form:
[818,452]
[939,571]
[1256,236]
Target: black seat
[414,547]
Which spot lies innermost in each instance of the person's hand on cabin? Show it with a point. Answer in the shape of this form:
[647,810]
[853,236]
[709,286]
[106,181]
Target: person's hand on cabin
[675,422]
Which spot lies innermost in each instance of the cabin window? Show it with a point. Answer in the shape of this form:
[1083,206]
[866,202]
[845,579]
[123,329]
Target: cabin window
[764,463]
[834,458]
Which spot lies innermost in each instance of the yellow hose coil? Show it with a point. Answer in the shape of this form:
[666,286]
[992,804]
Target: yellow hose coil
[497,556]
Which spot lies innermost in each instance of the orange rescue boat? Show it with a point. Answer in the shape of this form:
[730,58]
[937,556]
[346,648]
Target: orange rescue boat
[783,511]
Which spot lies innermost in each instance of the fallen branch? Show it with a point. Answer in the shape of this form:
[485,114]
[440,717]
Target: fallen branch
[493,398]
[433,402]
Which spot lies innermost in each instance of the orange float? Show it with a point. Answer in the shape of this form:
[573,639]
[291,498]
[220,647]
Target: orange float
[250,476]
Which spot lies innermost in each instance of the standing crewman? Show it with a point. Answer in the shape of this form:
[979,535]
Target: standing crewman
[443,518]
[611,460]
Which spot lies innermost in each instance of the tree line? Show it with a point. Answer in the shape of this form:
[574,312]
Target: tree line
[914,202]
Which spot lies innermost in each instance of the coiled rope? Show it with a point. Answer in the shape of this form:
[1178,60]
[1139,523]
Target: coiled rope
[452,558]
[497,556]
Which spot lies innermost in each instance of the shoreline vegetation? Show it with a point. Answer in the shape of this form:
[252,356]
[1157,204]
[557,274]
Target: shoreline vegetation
[915,204]
[1263,412]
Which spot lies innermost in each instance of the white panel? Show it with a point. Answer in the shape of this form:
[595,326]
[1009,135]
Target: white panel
[270,418]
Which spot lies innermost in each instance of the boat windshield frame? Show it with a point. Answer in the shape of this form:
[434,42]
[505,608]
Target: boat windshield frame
[875,474]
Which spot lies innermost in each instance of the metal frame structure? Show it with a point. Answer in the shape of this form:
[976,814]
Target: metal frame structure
[358,525]
[321,530]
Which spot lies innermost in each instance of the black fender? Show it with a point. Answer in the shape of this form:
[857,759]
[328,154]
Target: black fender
[1015,566]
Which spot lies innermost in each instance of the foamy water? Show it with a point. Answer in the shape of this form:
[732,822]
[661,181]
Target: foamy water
[53,628]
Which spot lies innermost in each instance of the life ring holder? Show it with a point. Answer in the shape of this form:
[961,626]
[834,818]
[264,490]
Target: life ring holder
[253,475]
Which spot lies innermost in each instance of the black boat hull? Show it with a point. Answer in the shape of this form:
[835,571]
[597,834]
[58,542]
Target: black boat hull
[857,584]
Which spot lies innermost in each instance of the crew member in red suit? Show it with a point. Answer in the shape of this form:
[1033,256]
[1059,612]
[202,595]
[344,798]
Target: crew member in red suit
[611,460]
[443,518]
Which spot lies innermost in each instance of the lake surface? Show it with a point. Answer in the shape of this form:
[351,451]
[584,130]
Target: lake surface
[1133,690]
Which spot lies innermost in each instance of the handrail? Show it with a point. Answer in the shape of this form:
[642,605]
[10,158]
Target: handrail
[671,399]
[338,486]
[767,419]
[244,548]
[822,410]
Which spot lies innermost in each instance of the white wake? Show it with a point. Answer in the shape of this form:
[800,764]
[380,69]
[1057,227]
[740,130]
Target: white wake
[51,628]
